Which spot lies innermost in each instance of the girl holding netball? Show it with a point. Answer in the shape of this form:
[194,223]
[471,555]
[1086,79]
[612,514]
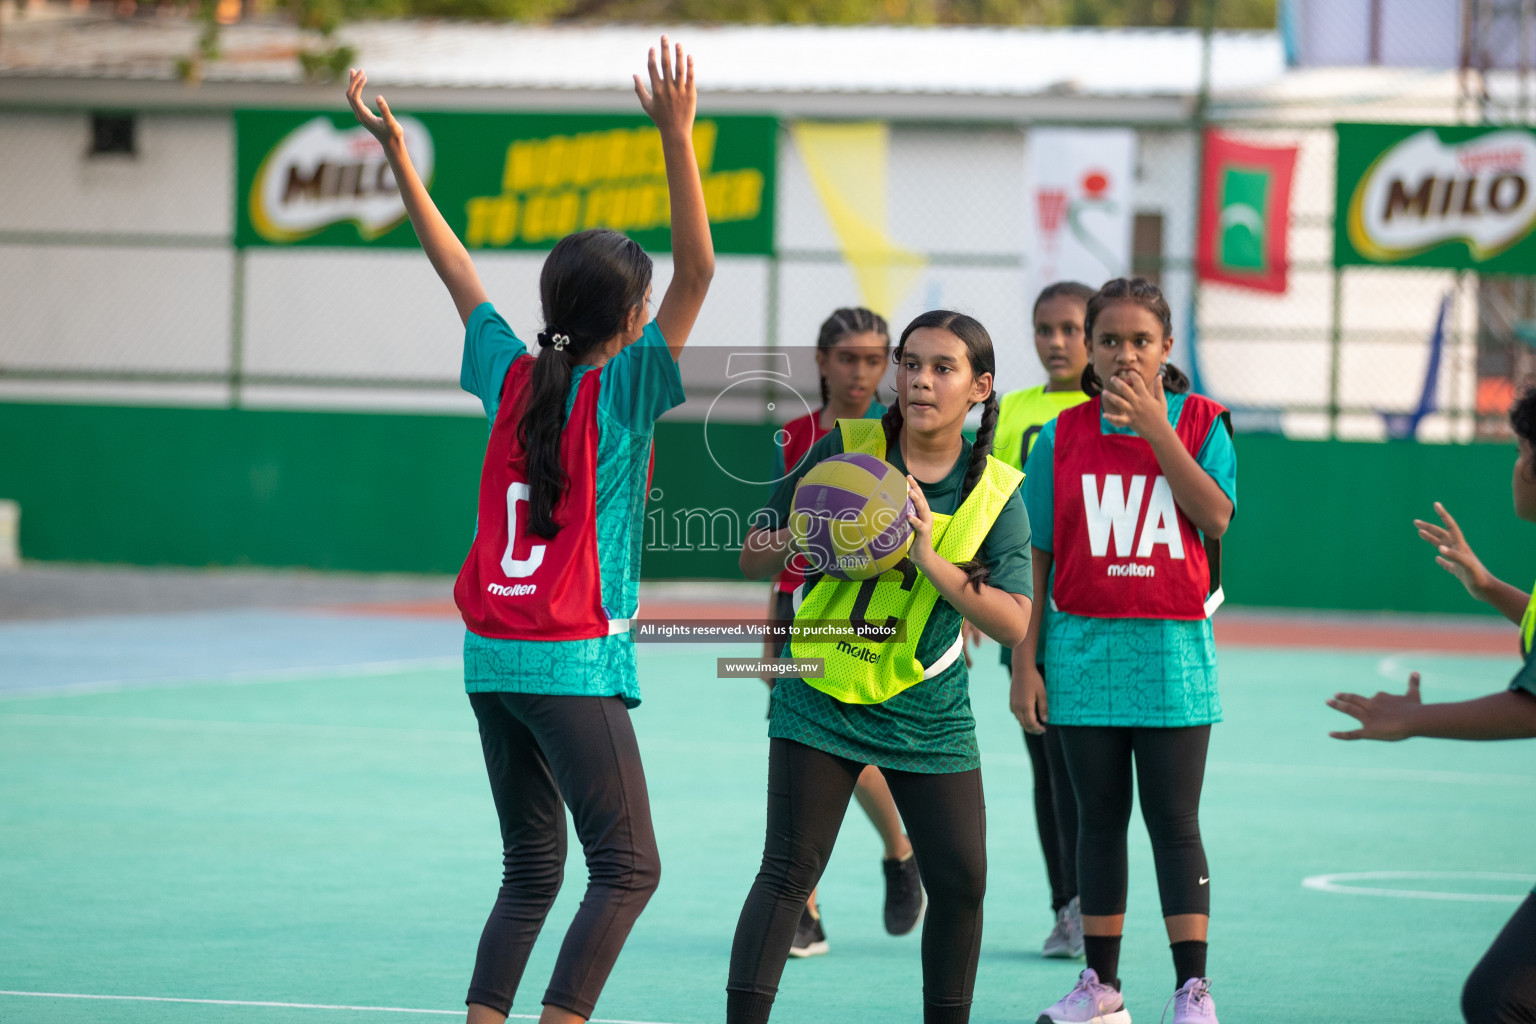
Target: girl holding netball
[852,351]
[901,705]
[550,582]
[1058,316]
[1502,987]
[1125,492]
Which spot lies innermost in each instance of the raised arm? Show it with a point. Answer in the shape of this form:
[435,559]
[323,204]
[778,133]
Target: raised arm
[671,101]
[1455,556]
[449,257]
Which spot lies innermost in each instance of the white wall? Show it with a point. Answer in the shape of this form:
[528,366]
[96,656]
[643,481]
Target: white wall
[122,264]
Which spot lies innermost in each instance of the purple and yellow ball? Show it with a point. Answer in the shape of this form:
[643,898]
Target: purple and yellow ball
[849,516]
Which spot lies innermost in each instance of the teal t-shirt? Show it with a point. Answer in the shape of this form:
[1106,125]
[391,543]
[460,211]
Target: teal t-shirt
[1127,672]
[927,728]
[639,384]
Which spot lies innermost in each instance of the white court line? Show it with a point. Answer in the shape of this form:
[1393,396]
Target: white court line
[1397,666]
[283,675]
[1372,774]
[215,725]
[291,1006]
[1332,883]
[1321,771]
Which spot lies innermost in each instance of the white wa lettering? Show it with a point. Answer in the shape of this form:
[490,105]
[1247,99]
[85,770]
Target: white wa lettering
[1161,525]
[1115,514]
[516,567]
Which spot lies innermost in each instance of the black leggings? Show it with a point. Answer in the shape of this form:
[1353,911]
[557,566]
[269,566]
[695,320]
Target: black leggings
[1170,768]
[538,749]
[808,792]
[1502,987]
[1055,815]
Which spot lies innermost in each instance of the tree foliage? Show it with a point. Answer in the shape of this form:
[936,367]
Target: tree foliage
[1252,14]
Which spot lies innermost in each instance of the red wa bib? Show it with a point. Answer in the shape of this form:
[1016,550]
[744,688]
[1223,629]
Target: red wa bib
[516,585]
[1123,547]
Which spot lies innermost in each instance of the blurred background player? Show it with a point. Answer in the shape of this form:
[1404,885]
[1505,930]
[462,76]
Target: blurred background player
[1502,987]
[852,351]
[1058,318]
[548,660]
[1123,492]
[901,705]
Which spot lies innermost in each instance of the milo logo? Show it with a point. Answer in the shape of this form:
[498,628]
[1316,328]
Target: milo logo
[320,175]
[1423,192]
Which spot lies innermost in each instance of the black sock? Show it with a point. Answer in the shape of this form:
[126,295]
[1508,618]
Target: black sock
[1104,957]
[747,1007]
[946,1014]
[1188,960]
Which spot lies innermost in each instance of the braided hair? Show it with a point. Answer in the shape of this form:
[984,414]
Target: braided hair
[1140,292]
[978,346]
[844,323]
[590,283]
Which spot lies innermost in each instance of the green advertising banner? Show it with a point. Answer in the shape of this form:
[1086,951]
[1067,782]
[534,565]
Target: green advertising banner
[1436,196]
[503,181]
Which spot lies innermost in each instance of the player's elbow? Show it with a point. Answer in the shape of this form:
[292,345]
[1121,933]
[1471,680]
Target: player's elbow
[1015,626]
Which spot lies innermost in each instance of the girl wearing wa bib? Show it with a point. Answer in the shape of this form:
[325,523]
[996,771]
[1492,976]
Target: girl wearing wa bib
[901,706]
[1128,491]
[550,582]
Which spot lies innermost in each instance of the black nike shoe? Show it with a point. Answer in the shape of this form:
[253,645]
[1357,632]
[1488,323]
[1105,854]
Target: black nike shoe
[810,940]
[905,900]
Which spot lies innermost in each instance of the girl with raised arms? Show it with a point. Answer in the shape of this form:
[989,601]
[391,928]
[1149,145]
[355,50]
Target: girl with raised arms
[551,580]
[902,706]
[1126,493]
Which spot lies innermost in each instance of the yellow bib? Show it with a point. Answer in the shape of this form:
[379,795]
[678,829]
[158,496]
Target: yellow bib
[1020,416]
[1528,626]
[871,672]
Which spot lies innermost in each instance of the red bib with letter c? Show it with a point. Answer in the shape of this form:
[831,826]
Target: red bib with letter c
[1123,547]
[516,585]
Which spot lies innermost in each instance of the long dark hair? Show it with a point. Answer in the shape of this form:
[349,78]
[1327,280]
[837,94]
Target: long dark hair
[844,323]
[978,347]
[590,282]
[1143,293]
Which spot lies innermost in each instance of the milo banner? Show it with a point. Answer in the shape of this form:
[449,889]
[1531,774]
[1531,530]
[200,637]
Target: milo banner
[1440,196]
[503,181]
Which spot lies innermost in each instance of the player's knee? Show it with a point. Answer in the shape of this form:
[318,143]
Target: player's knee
[964,884]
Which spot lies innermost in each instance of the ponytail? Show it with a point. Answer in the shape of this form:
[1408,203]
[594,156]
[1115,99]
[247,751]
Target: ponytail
[590,283]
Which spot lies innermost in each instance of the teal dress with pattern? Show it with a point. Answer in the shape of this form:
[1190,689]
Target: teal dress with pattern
[639,384]
[1126,672]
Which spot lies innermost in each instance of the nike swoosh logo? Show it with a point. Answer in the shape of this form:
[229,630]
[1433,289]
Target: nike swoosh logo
[1204,880]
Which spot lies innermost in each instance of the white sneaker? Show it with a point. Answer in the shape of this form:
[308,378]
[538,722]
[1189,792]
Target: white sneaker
[1090,1002]
[1066,940]
[1192,1003]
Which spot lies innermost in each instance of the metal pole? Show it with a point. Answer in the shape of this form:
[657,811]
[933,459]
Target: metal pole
[1336,352]
[1198,122]
[237,329]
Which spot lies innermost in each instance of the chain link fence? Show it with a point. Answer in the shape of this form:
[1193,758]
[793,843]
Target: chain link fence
[121,283]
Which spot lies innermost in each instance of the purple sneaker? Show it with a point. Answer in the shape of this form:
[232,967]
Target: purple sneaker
[1090,1002]
[1192,1003]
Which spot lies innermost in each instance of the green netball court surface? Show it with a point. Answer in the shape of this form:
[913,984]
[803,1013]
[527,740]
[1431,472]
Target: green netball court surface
[262,816]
